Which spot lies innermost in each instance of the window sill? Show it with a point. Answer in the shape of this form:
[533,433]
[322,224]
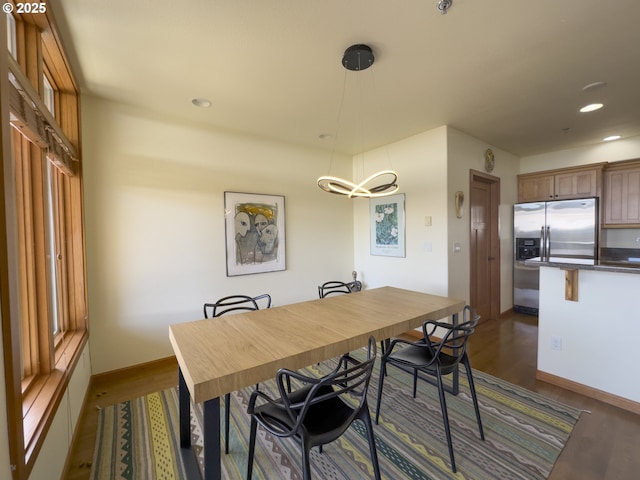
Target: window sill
[40,402]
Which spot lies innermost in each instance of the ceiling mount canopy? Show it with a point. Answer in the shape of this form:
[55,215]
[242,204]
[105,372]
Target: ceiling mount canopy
[357,58]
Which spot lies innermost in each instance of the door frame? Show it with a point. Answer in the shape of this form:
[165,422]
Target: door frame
[494,238]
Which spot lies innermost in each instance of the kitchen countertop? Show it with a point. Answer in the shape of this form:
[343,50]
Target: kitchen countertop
[585,264]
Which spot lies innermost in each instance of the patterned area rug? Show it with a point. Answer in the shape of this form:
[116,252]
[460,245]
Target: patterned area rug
[525,432]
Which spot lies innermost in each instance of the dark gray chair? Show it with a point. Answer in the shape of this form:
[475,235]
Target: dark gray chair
[435,357]
[236,303]
[332,288]
[320,411]
[225,305]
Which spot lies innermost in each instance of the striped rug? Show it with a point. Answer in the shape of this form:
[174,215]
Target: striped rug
[525,432]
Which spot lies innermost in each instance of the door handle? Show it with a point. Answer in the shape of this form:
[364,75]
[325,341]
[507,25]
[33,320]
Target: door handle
[491,258]
[548,244]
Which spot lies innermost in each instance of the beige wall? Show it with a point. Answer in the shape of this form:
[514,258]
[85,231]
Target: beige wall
[155,221]
[431,167]
[466,153]
[154,197]
[421,165]
[619,150]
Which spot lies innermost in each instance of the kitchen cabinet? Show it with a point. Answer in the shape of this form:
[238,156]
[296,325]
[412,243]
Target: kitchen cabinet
[622,195]
[579,182]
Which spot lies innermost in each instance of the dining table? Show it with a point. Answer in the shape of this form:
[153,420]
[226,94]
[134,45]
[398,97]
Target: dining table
[224,354]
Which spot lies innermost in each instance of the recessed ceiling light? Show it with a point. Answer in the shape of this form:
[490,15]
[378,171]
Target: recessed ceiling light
[610,138]
[201,102]
[324,136]
[591,107]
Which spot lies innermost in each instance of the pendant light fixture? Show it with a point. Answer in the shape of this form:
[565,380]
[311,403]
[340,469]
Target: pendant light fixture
[357,58]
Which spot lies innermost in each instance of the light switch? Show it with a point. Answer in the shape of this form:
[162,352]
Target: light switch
[457,248]
[427,247]
[427,221]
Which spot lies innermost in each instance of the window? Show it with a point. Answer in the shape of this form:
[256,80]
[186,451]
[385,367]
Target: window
[49,95]
[45,323]
[11,36]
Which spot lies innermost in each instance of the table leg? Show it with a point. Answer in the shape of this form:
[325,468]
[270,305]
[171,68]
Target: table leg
[185,411]
[211,432]
[211,452]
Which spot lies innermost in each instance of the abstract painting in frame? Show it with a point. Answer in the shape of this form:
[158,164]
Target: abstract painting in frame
[254,232]
[387,225]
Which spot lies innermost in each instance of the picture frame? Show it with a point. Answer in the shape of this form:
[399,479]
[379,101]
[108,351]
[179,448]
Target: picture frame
[254,233]
[387,220]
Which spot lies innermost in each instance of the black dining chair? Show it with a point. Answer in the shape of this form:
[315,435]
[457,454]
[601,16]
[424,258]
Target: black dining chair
[225,305]
[332,288]
[435,357]
[320,411]
[236,303]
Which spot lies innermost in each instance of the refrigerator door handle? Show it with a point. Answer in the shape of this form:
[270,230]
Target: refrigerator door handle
[543,245]
[547,247]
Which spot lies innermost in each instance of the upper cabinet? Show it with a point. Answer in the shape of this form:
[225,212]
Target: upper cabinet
[578,182]
[622,195]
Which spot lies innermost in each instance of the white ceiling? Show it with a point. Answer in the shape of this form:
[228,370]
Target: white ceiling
[508,72]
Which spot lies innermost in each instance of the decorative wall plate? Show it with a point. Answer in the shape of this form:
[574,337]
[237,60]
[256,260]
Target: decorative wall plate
[489,160]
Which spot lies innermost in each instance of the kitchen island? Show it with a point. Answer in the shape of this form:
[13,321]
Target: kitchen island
[588,329]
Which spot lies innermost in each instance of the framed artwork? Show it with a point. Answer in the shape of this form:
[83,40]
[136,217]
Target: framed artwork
[387,225]
[254,233]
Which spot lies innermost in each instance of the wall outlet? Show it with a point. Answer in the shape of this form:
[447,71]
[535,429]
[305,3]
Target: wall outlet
[556,343]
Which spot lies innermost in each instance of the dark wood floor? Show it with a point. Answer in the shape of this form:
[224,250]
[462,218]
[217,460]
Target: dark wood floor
[605,443]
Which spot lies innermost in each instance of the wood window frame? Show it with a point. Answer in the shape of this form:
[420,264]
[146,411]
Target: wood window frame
[42,156]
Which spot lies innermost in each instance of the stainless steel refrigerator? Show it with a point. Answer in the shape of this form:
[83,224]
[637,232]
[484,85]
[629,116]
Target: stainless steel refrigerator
[558,230]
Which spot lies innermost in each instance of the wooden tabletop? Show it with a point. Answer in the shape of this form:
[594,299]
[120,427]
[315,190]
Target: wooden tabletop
[227,353]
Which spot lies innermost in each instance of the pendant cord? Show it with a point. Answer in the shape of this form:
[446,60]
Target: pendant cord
[375,95]
[337,128]
[386,180]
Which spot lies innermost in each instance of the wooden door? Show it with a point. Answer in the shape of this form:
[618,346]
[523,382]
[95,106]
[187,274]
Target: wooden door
[485,245]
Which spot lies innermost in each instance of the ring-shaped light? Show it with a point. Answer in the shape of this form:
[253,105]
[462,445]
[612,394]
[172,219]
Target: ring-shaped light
[341,186]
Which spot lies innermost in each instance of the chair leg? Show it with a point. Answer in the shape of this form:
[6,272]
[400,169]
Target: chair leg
[366,418]
[445,417]
[472,389]
[383,366]
[252,447]
[306,465]
[227,417]
[415,382]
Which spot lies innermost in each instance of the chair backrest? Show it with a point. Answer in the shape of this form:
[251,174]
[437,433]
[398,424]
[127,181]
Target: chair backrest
[349,381]
[333,287]
[451,347]
[236,303]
